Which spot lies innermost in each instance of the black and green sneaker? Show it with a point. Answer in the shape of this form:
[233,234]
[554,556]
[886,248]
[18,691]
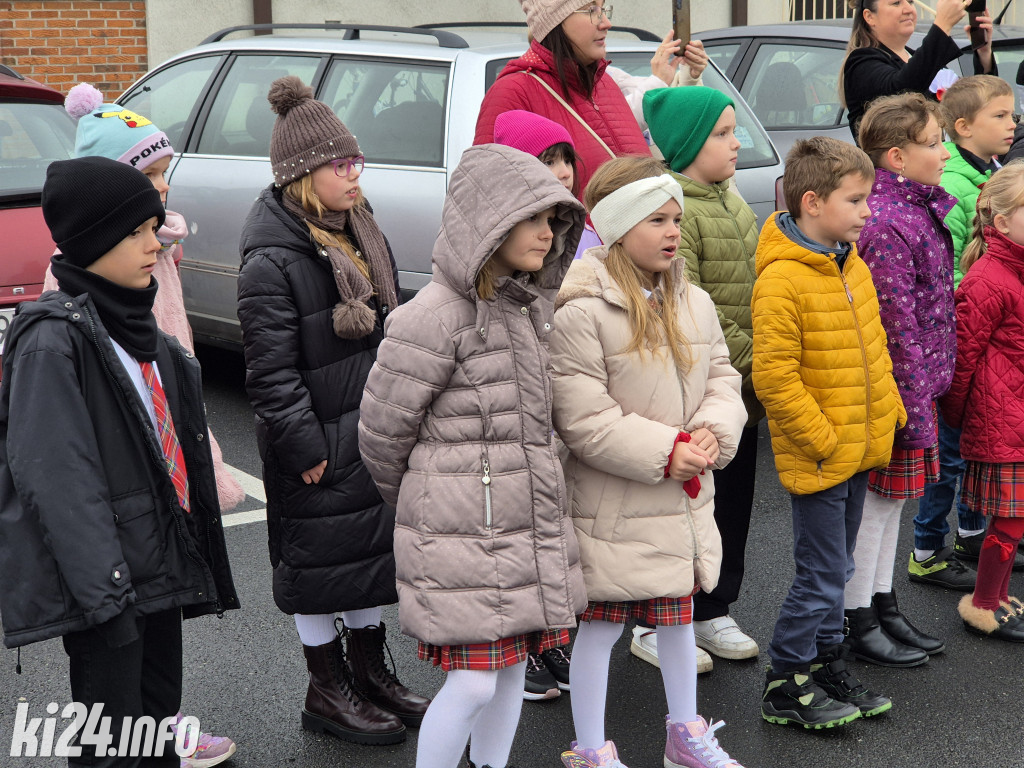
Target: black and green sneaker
[831,674]
[942,570]
[794,697]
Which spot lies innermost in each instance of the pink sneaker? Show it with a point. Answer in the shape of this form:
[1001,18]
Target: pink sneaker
[211,750]
[693,745]
[603,757]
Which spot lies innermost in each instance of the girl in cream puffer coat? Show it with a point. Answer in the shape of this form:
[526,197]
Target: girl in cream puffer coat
[645,416]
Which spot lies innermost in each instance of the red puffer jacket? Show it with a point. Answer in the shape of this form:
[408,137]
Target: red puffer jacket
[607,113]
[986,398]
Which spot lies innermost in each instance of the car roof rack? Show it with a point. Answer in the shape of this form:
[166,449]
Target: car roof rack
[352,31]
[641,34]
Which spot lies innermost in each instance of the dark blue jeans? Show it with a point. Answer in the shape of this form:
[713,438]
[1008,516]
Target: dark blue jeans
[930,523]
[825,526]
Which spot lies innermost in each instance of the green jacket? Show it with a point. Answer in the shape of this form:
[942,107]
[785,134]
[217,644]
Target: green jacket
[963,181]
[719,239]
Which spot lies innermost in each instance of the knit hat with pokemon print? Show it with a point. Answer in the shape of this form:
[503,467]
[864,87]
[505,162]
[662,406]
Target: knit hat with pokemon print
[110,130]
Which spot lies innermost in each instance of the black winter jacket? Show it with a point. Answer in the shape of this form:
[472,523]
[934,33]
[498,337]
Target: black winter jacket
[330,542]
[89,520]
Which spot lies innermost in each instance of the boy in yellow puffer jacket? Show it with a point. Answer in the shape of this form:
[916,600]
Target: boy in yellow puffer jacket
[823,373]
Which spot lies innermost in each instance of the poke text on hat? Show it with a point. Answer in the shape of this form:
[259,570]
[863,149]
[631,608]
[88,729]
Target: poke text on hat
[156,146]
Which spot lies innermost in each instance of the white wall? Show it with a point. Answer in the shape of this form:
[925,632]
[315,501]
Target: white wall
[176,25]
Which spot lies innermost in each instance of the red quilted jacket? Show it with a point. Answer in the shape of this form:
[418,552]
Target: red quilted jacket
[986,398]
[607,113]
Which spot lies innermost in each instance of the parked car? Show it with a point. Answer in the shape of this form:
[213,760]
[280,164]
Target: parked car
[34,131]
[411,96]
[789,73]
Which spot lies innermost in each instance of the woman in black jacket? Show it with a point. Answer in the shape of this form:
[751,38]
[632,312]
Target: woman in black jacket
[878,62]
[316,283]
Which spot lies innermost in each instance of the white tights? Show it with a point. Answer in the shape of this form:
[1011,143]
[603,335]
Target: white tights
[318,628]
[482,706]
[588,676]
[875,552]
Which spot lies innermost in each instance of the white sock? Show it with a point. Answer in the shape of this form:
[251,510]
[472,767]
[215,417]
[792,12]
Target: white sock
[452,714]
[490,741]
[865,554]
[964,534]
[923,554]
[364,617]
[677,653]
[588,679]
[315,629]
[887,548]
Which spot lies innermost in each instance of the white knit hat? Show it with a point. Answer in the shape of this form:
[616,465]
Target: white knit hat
[544,15]
[627,206]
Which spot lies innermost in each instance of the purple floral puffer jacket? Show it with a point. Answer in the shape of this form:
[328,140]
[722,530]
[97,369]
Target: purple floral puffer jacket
[910,253]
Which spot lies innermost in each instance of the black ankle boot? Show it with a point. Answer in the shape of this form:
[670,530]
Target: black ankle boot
[869,642]
[896,625]
[376,681]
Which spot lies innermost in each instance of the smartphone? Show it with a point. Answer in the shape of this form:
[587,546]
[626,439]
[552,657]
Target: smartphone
[975,9]
[681,22]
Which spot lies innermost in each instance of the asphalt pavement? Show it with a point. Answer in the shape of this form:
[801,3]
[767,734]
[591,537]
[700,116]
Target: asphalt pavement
[245,676]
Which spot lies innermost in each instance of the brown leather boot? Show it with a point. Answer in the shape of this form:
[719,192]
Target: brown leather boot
[375,680]
[334,706]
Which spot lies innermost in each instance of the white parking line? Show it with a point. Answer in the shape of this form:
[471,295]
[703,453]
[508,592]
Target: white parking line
[253,488]
[244,518]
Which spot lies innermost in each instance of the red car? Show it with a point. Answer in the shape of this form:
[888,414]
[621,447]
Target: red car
[34,131]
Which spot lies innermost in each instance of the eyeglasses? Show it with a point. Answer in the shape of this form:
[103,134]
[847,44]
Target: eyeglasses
[354,163]
[596,12]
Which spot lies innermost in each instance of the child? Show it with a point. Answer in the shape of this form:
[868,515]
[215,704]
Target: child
[317,281]
[456,429]
[979,117]
[645,400]
[695,129]
[986,398]
[822,371]
[910,254]
[109,523]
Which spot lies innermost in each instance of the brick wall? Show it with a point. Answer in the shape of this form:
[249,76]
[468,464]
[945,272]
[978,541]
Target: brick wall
[63,42]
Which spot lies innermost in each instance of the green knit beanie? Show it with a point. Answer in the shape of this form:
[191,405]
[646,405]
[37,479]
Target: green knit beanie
[681,119]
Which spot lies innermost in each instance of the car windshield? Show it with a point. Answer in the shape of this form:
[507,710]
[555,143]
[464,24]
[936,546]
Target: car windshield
[32,135]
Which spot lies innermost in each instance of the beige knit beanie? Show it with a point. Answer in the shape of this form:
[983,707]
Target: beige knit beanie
[307,134]
[542,16]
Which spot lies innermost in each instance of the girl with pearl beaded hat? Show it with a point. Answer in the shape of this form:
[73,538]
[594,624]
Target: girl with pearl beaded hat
[316,282]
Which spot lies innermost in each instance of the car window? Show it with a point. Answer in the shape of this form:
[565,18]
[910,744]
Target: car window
[789,85]
[240,120]
[31,137]
[395,108]
[167,98]
[1008,57]
[721,53]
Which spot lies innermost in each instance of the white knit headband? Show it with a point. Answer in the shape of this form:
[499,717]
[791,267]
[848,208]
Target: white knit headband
[627,206]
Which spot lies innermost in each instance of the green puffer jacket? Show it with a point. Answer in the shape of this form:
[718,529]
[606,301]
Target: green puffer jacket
[963,181]
[719,238]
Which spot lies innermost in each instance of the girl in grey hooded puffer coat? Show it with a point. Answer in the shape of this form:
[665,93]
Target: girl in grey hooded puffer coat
[455,427]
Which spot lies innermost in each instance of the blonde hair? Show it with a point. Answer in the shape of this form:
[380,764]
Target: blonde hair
[650,328]
[486,282]
[896,121]
[301,191]
[965,98]
[1002,195]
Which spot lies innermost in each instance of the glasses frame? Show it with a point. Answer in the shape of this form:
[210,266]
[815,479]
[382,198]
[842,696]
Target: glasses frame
[350,162]
[605,11]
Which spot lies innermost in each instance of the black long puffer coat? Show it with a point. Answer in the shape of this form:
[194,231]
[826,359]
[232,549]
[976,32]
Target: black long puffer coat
[330,542]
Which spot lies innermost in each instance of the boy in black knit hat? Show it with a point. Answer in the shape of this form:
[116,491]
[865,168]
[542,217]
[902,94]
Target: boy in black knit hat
[109,522]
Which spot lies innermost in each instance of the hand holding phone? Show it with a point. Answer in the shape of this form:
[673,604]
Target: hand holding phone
[975,9]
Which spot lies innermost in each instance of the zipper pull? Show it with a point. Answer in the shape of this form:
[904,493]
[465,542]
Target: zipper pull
[486,480]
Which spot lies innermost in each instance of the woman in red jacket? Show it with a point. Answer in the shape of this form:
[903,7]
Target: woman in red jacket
[986,398]
[566,61]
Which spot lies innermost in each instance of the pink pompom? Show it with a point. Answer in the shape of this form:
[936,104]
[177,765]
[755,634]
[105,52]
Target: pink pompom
[82,99]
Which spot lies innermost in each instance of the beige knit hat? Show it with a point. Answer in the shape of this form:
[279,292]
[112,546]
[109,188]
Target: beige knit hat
[307,134]
[542,16]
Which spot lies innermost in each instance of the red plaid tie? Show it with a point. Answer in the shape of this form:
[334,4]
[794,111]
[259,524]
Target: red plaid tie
[168,439]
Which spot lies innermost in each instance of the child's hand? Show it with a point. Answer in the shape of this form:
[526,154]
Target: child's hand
[313,475]
[687,461]
[705,440]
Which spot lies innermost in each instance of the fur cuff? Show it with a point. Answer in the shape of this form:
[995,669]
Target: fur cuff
[977,617]
[353,319]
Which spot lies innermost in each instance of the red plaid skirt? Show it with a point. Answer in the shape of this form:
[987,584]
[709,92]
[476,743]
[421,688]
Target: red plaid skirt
[658,611]
[506,652]
[994,489]
[908,472]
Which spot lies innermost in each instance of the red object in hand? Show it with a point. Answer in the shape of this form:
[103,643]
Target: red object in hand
[691,486]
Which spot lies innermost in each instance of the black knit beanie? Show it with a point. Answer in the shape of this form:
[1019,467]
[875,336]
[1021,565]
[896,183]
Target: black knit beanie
[91,204]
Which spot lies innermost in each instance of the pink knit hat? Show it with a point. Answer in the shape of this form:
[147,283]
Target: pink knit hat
[544,15]
[529,132]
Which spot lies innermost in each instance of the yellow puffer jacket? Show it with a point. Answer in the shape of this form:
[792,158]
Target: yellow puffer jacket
[821,367]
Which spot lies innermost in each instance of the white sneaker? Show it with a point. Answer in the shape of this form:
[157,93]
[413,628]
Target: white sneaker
[645,646]
[723,638]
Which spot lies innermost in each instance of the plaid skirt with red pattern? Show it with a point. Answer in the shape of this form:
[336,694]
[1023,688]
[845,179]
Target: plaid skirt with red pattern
[994,489]
[658,611]
[908,472]
[506,652]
